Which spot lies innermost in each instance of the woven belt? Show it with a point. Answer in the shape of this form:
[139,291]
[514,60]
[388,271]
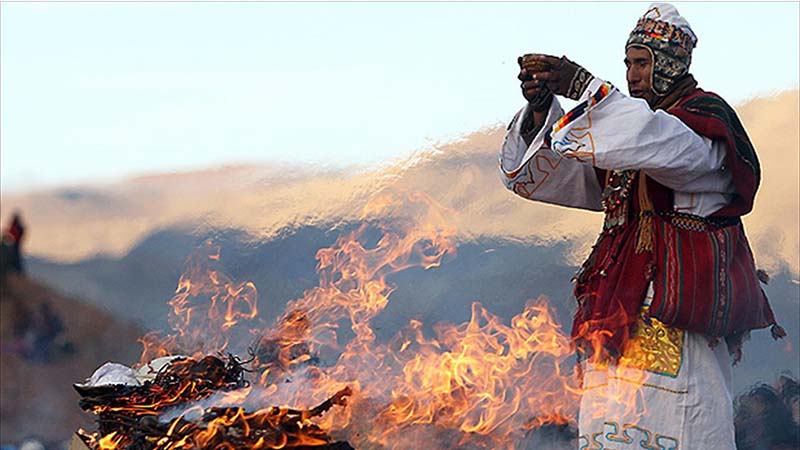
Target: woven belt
[692,222]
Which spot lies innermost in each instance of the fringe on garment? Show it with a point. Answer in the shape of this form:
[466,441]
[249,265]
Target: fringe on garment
[644,241]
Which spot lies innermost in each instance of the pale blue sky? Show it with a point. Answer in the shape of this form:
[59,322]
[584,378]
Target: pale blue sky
[99,91]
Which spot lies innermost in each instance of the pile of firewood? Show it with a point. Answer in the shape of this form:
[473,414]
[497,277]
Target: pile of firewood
[128,417]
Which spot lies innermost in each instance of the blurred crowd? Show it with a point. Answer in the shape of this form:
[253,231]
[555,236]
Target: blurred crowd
[37,334]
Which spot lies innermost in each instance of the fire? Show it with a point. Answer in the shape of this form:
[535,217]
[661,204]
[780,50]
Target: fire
[482,378]
[480,384]
[205,299]
[109,441]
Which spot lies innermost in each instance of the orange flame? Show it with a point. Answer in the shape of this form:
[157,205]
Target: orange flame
[484,382]
[206,308]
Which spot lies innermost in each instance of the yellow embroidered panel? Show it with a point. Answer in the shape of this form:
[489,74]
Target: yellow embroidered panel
[654,347]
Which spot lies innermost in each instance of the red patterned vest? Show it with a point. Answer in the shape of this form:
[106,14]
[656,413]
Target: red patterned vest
[702,269]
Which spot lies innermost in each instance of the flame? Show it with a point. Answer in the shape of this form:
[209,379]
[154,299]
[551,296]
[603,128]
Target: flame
[109,441]
[205,300]
[482,384]
[480,378]
[484,380]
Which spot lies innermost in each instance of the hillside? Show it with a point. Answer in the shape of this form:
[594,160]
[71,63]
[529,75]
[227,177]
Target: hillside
[138,285]
[462,175]
[36,396]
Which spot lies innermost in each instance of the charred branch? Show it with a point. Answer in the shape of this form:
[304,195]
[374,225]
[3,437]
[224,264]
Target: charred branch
[129,415]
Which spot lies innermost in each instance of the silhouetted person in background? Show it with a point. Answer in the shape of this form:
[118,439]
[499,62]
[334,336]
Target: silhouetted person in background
[21,320]
[789,390]
[50,327]
[12,243]
[23,330]
[763,421]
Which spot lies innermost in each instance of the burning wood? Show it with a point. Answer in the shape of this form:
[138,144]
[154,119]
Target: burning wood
[131,416]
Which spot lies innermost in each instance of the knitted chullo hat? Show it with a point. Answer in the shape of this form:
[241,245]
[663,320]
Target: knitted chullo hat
[670,40]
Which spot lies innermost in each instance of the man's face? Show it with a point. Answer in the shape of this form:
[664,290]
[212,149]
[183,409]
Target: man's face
[640,67]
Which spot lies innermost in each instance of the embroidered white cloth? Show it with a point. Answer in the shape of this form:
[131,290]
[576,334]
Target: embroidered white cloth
[626,408]
[617,133]
[671,391]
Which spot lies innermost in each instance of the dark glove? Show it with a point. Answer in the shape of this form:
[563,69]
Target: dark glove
[562,76]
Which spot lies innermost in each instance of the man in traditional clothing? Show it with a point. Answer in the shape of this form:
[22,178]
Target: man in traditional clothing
[671,276]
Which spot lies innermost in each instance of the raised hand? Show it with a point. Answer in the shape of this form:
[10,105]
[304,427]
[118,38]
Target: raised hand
[562,76]
[535,92]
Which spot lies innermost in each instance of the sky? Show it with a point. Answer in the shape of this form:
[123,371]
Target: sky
[96,92]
